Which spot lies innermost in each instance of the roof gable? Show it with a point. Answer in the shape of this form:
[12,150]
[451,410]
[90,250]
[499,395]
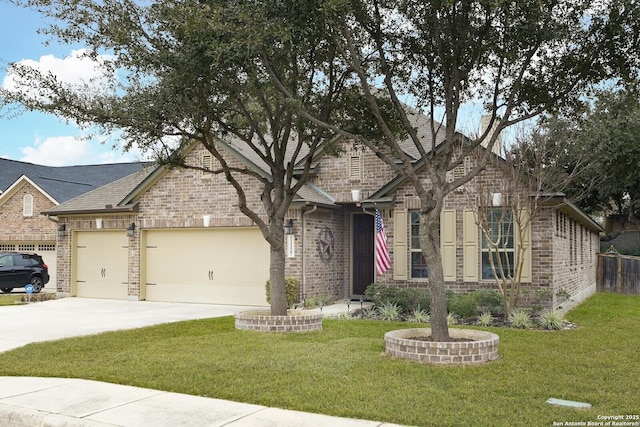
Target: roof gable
[62,183]
[18,184]
[108,198]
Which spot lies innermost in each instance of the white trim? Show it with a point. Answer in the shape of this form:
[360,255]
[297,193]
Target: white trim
[20,182]
[27,205]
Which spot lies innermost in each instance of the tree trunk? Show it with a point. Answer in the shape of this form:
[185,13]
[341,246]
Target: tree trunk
[277,269]
[430,246]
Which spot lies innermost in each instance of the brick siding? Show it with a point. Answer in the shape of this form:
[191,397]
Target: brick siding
[181,198]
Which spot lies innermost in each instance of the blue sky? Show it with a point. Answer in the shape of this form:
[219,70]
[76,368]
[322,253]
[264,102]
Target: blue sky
[43,139]
[35,137]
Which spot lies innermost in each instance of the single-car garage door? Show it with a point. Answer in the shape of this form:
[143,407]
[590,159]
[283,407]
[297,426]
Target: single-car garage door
[102,264]
[218,266]
[47,250]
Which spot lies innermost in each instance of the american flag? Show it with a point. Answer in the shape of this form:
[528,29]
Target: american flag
[383,262]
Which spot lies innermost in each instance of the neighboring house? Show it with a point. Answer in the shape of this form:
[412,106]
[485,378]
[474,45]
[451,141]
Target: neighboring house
[26,190]
[177,235]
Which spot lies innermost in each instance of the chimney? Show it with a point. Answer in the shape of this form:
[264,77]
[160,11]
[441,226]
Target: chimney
[484,124]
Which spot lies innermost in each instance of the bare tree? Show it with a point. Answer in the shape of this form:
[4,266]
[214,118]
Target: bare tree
[534,173]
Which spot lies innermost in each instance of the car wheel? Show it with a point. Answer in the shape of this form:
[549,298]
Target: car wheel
[36,282]
[6,290]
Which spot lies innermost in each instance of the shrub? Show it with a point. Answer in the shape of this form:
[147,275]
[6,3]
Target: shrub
[407,299]
[464,305]
[550,319]
[490,300]
[44,296]
[380,294]
[318,301]
[389,311]
[369,313]
[419,315]
[291,288]
[451,319]
[520,319]
[485,318]
[410,299]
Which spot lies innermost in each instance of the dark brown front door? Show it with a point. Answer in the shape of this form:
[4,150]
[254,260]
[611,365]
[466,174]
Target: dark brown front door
[362,255]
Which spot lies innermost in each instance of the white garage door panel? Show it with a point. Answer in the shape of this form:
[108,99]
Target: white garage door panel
[50,258]
[221,266]
[45,249]
[102,264]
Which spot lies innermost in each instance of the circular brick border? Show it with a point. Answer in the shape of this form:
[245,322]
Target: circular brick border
[263,321]
[483,348]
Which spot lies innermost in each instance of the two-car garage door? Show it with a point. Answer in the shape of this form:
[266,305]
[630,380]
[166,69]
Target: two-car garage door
[217,265]
[220,266]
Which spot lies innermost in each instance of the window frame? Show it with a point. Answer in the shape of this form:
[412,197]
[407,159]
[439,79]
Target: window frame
[511,244]
[27,205]
[421,269]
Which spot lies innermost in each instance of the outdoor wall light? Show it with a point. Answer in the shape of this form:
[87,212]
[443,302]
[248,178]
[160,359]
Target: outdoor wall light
[62,230]
[288,226]
[131,230]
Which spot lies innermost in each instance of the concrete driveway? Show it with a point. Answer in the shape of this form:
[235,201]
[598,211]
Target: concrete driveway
[71,317]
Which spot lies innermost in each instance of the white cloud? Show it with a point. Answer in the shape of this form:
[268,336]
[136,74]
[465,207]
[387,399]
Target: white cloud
[70,151]
[58,151]
[75,69]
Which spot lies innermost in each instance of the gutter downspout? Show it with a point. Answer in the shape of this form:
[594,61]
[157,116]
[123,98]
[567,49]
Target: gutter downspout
[304,253]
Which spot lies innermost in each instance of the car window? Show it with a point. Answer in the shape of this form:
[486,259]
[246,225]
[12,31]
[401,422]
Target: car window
[6,261]
[23,261]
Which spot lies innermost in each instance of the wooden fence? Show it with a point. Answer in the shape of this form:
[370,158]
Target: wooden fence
[618,274]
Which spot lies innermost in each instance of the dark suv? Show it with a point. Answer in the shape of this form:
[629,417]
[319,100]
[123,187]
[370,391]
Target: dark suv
[18,270]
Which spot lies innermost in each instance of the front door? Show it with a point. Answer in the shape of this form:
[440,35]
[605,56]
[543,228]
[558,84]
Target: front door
[363,268]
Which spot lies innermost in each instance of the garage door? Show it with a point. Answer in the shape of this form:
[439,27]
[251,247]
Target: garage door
[218,266]
[102,264]
[47,250]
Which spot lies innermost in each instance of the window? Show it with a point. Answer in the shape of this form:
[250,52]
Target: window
[418,263]
[501,233]
[24,261]
[26,247]
[6,261]
[27,205]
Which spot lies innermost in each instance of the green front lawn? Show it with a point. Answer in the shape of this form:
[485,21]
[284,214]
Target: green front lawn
[11,299]
[342,370]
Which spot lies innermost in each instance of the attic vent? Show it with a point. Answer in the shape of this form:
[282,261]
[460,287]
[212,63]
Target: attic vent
[355,164]
[461,170]
[206,164]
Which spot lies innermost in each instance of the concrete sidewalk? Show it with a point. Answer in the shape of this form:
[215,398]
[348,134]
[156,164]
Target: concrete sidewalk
[59,402]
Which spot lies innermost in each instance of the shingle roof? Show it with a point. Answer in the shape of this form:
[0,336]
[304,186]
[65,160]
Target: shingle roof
[105,198]
[63,183]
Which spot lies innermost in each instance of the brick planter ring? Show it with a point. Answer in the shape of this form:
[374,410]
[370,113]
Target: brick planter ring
[484,346]
[263,321]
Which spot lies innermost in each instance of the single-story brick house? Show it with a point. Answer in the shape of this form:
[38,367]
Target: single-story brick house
[177,235]
[27,189]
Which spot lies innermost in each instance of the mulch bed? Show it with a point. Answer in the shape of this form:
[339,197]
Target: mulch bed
[451,339]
